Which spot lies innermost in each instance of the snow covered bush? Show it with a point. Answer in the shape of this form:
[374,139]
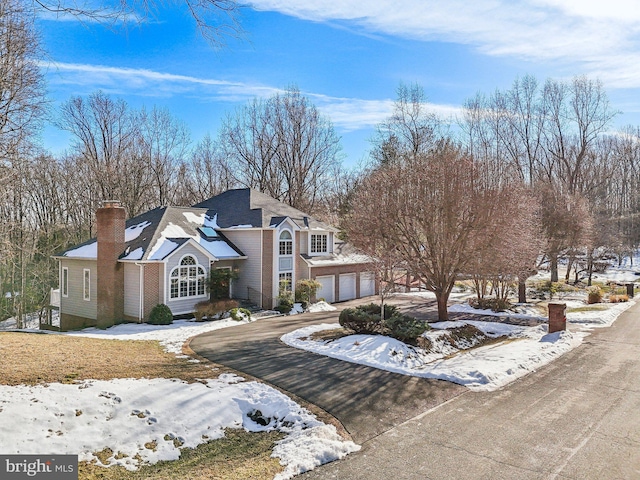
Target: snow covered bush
[240,314]
[160,315]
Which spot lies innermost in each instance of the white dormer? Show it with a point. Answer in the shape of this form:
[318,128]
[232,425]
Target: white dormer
[320,243]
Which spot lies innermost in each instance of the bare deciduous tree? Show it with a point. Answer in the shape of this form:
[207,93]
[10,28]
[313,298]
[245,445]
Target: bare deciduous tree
[282,146]
[411,130]
[22,96]
[216,19]
[434,212]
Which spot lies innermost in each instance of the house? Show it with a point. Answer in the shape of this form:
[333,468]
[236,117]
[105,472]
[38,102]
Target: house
[165,256]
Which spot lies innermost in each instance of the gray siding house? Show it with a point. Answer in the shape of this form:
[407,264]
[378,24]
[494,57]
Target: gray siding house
[165,256]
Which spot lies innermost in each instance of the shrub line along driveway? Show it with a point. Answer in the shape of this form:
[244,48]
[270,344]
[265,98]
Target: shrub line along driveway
[367,401]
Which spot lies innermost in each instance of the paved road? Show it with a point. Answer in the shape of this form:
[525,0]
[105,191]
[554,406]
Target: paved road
[366,400]
[577,418]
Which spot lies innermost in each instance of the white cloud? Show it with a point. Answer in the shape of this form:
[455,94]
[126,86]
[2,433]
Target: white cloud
[351,114]
[574,36]
[347,114]
[144,82]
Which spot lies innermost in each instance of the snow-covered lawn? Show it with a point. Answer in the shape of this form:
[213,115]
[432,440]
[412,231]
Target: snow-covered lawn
[171,337]
[483,368]
[124,415]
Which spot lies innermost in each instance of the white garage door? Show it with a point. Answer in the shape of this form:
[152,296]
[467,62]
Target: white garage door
[367,284]
[327,290]
[347,286]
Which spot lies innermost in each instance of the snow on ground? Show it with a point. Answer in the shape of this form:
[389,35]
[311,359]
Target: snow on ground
[321,307]
[171,337]
[595,315]
[524,311]
[126,414]
[484,368]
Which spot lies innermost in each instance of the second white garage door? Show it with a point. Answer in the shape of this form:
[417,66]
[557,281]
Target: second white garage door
[367,284]
[327,289]
[347,286]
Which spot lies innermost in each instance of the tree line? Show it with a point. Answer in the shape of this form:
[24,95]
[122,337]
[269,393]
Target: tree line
[529,173]
[527,176]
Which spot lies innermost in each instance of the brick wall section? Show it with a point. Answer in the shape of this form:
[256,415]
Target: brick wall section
[110,221]
[267,268]
[152,293]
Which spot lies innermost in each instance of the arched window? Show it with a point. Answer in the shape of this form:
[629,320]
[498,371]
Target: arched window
[187,279]
[286,243]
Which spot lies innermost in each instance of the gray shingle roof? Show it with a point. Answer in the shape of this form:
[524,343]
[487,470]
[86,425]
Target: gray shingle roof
[152,233]
[155,234]
[249,207]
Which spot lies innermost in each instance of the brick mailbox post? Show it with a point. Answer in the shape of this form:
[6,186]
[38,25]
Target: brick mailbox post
[557,317]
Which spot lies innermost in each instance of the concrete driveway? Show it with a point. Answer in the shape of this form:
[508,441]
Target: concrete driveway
[366,400]
[576,418]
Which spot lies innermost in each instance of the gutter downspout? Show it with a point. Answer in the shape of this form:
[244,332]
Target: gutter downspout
[141,293]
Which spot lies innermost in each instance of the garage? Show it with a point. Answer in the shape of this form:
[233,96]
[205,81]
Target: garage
[327,289]
[367,284]
[347,286]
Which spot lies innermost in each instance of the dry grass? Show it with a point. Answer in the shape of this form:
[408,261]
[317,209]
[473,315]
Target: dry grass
[329,335]
[29,358]
[239,455]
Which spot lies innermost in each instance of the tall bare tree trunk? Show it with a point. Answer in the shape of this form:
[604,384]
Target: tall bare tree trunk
[553,260]
[443,313]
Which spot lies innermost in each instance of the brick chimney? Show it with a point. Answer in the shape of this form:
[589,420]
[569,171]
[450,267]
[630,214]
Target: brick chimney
[110,220]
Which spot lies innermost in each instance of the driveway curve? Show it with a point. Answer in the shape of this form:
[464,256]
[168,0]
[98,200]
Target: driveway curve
[367,401]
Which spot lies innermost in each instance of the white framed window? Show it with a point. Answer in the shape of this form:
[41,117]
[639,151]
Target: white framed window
[86,284]
[286,281]
[286,243]
[187,279]
[319,243]
[64,282]
[285,263]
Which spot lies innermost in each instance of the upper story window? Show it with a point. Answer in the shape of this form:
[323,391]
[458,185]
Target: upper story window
[319,243]
[187,279]
[286,243]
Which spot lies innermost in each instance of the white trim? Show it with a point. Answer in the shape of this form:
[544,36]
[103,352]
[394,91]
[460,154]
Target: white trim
[230,280]
[204,251]
[64,282]
[277,256]
[261,264]
[164,282]
[86,292]
[141,294]
[179,265]
[329,250]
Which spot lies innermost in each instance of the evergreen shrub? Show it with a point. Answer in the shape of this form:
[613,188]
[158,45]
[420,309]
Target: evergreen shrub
[160,315]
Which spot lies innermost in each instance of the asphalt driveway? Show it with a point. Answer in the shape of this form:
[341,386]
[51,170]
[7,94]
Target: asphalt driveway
[366,400]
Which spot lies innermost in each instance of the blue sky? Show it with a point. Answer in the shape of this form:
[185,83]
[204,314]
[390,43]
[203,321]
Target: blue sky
[348,56]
